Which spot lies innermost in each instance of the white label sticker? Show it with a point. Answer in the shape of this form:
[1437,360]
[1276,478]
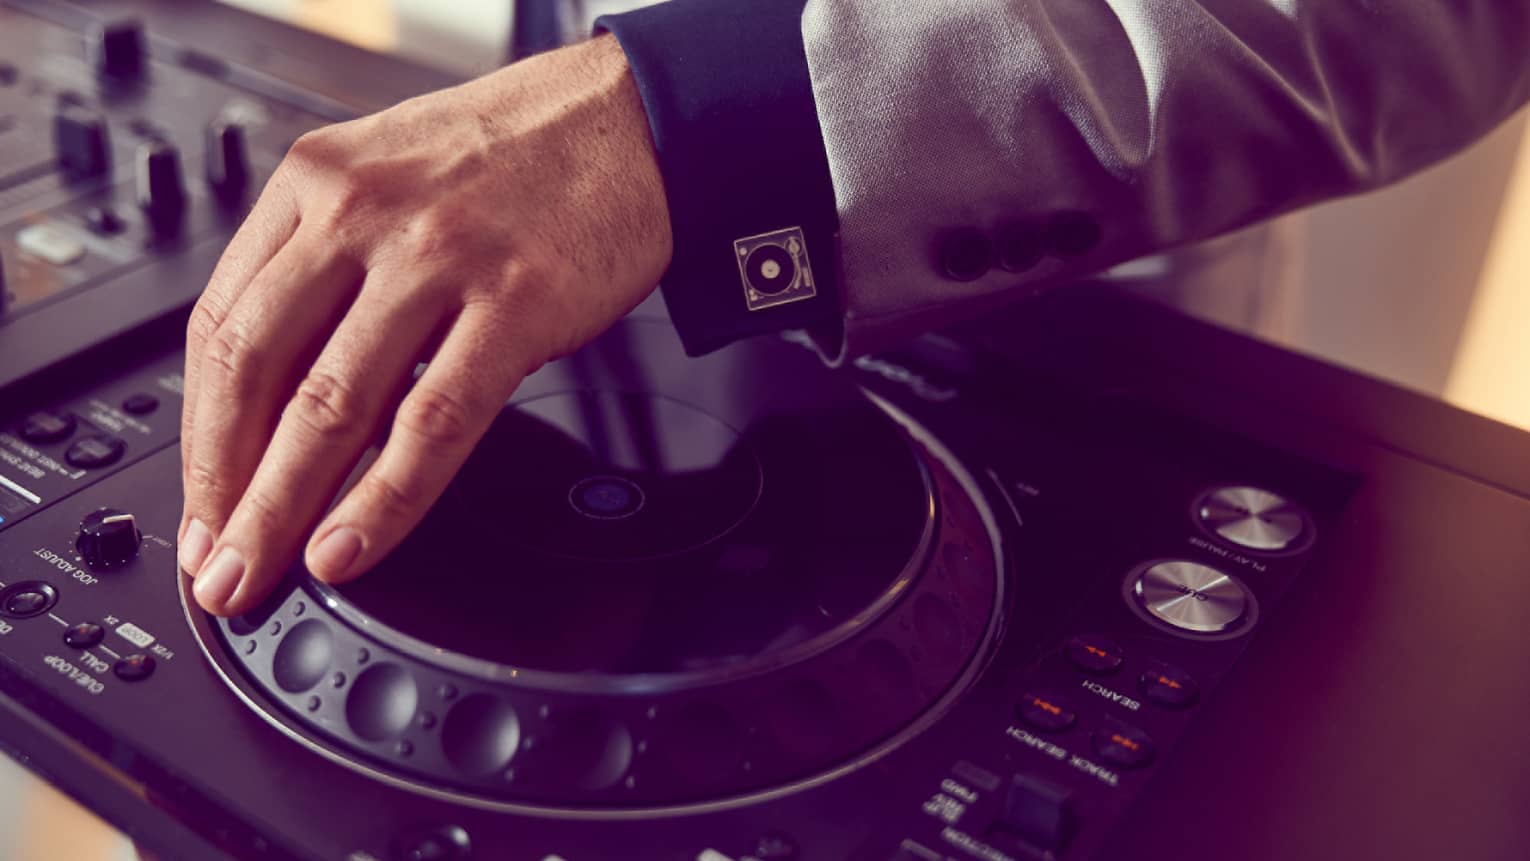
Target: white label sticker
[135,635]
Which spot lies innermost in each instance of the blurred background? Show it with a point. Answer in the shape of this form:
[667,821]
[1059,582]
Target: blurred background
[1425,284]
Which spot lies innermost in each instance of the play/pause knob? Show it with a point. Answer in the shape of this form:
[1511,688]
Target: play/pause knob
[1254,519]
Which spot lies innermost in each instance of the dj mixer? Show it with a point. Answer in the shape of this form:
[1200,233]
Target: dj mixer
[1087,579]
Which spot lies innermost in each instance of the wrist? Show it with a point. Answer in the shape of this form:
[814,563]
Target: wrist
[576,115]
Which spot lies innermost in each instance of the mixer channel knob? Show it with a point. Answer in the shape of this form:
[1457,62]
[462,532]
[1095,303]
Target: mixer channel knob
[117,50]
[228,162]
[80,141]
[161,194]
[108,538]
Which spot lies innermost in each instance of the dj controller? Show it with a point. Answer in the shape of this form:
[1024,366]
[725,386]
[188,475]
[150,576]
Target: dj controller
[1087,580]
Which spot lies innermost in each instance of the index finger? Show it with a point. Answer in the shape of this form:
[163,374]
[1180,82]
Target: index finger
[268,227]
[439,421]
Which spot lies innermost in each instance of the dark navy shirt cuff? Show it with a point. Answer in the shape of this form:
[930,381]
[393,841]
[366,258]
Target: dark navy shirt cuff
[726,87]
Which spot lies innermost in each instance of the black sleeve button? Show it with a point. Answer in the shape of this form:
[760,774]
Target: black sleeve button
[141,403]
[95,451]
[1123,746]
[965,254]
[134,668]
[1045,711]
[47,426]
[1094,654]
[1071,234]
[1169,686]
[84,635]
[1021,246]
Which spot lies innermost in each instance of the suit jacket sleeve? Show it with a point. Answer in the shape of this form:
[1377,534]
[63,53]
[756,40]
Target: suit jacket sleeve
[980,151]
[725,84]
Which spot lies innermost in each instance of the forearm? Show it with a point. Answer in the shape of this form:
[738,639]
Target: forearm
[1163,122]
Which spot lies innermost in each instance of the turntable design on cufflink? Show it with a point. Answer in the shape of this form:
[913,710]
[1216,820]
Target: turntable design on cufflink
[774,268]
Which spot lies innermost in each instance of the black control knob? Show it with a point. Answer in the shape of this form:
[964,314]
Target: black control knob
[228,161]
[161,193]
[108,538]
[117,49]
[80,141]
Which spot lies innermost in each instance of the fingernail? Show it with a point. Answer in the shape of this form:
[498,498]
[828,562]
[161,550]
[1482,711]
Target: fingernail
[332,556]
[196,543]
[215,583]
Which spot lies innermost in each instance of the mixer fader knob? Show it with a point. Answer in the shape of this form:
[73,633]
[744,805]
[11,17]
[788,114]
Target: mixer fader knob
[161,194]
[80,141]
[108,538]
[228,163]
[116,49]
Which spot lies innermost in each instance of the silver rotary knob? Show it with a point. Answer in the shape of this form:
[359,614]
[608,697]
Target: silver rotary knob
[1193,597]
[1253,518]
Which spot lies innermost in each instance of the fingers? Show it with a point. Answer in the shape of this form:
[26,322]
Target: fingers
[270,225]
[436,426]
[247,370]
[332,416]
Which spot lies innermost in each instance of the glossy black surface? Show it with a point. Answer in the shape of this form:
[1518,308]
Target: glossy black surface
[695,526]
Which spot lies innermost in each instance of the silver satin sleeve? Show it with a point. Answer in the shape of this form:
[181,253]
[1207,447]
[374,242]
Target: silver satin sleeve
[1169,121]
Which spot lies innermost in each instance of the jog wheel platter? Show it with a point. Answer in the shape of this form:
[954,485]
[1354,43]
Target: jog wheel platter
[677,584]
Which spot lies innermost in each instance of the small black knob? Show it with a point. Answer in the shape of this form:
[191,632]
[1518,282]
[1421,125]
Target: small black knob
[116,49]
[161,194]
[228,162]
[80,141]
[108,538]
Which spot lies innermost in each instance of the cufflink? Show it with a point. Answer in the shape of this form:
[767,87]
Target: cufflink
[774,268]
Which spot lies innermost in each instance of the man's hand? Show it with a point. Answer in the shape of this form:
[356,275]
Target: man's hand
[488,229]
